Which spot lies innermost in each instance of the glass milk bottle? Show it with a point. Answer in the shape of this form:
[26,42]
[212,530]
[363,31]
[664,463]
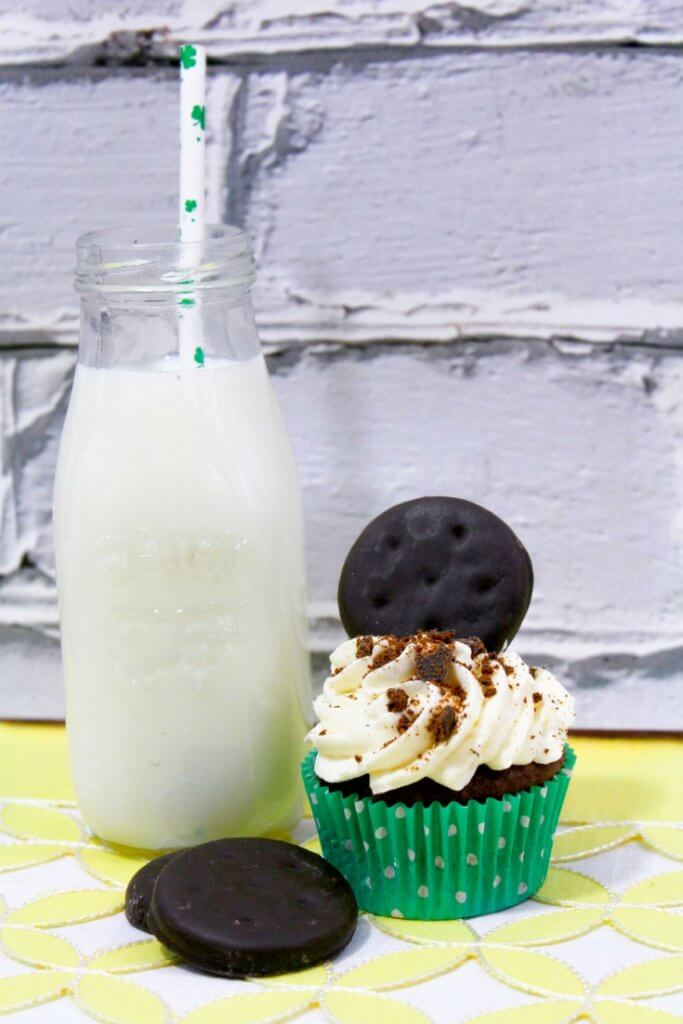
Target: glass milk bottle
[178,538]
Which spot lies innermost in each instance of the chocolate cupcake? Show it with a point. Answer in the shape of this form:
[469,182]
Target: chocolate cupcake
[439,768]
[438,775]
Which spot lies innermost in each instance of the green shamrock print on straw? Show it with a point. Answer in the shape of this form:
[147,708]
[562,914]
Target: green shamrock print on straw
[192,137]
[188,56]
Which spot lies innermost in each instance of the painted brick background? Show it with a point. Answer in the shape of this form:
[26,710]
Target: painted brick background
[468,223]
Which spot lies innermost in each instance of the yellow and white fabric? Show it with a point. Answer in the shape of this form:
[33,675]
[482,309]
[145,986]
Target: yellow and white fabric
[602,941]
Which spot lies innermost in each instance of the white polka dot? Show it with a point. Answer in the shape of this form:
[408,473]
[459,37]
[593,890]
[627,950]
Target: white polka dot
[317,823]
[366,845]
[452,830]
[368,882]
[472,859]
[567,772]
[521,856]
[542,818]
[496,881]
[423,892]
[461,897]
[481,827]
[502,842]
[522,888]
[426,830]
[347,813]
[380,832]
[524,821]
[542,854]
[359,806]
[348,845]
[507,806]
[396,913]
[411,854]
[400,812]
[390,872]
[314,798]
[544,792]
[439,862]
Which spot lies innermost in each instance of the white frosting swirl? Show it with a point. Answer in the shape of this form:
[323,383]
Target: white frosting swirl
[503,713]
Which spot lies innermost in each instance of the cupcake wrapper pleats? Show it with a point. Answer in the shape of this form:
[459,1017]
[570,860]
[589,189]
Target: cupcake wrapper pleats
[438,862]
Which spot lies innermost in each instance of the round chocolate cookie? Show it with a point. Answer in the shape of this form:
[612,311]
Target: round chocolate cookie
[240,907]
[139,889]
[436,563]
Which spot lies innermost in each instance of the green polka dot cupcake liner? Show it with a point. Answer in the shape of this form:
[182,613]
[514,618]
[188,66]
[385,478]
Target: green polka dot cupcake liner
[437,862]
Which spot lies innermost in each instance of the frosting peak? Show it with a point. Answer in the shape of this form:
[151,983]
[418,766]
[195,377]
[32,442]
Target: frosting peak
[430,705]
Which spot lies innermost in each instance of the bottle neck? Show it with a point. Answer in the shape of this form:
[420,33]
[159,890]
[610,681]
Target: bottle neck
[146,298]
[141,332]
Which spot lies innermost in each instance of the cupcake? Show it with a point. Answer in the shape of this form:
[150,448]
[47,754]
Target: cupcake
[439,766]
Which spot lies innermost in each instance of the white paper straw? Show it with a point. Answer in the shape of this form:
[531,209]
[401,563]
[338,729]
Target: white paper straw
[191,205]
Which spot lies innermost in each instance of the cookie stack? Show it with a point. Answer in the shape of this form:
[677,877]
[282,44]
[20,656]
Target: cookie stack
[244,907]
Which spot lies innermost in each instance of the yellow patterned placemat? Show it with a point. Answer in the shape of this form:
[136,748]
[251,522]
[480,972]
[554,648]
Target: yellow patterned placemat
[602,941]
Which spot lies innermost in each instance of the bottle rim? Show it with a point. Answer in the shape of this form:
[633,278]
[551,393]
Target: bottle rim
[149,258]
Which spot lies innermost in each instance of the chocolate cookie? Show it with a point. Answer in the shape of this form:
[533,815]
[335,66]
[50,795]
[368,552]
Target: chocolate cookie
[140,887]
[249,907]
[436,563]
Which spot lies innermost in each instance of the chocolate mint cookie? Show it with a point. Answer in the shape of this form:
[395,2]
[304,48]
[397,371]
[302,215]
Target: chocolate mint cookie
[241,907]
[140,887]
[436,563]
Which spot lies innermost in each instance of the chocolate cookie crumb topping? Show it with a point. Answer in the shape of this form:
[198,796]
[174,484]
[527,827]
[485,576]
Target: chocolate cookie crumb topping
[436,636]
[397,699]
[432,664]
[486,671]
[442,723]
[486,666]
[393,647]
[406,720]
[475,645]
[364,645]
[458,693]
[538,697]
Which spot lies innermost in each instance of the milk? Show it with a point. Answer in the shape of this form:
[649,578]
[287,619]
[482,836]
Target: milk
[179,560]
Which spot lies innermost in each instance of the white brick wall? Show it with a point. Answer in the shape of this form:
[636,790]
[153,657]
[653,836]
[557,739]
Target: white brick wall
[468,231]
